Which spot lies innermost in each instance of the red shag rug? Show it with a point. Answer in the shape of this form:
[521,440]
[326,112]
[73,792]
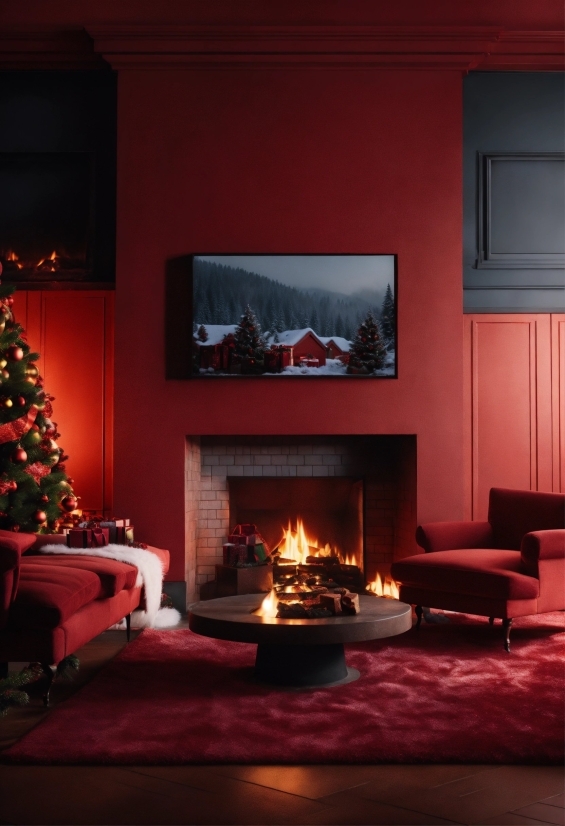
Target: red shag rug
[445,693]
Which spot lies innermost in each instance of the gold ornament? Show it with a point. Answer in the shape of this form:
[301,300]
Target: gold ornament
[8,403]
[3,363]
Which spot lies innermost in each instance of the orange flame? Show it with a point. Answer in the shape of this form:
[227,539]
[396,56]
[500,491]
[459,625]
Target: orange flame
[268,607]
[298,545]
[11,256]
[386,588]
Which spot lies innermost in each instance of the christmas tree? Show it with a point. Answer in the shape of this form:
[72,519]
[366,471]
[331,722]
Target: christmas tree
[367,352]
[35,492]
[388,317]
[249,342]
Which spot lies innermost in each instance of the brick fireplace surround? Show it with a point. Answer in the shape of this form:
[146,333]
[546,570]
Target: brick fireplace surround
[387,464]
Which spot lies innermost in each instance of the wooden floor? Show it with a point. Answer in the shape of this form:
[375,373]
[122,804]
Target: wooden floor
[444,794]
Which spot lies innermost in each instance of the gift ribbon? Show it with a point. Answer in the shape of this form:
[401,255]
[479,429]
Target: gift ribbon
[12,431]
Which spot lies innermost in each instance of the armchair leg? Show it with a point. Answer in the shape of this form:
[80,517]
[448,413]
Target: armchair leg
[506,626]
[128,627]
[4,671]
[491,620]
[419,614]
[50,672]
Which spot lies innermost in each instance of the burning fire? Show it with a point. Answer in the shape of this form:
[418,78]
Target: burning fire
[388,588]
[49,263]
[11,256]
[298,546]
[268,607]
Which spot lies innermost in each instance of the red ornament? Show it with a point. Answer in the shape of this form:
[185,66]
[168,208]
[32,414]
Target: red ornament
[19,455]
[21,401]
[45,498]
[15,353]
[69,503]
[39,516]
[70,481]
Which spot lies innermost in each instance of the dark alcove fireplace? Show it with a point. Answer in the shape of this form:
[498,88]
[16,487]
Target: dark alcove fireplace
[355,495]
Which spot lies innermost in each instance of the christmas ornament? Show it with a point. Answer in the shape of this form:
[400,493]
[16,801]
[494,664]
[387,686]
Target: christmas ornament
[8,402]
[11,431]
[69,503]
[38,470]
[31,370]
[39,516]
[19,455]
[3,363]
[45,498]
[20,401]
[33,437]
[15,353]
[5,374]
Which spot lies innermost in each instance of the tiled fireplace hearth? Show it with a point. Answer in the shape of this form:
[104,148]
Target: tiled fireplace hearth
[383,466]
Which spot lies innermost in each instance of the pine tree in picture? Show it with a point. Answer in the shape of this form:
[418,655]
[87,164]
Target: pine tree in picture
[388,317]
[35,492]
[368,351]
[249,342]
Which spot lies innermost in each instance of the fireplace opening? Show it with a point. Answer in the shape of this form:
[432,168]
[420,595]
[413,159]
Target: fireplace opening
[355,496]
[301,518]
[47,216]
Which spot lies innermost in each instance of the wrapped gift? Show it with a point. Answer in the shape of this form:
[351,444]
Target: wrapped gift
[112,525]
[87,537]
[259,552]
[235,554]
[124,534]
[237,539]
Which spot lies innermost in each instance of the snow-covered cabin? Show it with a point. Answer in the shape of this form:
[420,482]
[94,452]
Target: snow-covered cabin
[212,353]
[336,346]
[305,345]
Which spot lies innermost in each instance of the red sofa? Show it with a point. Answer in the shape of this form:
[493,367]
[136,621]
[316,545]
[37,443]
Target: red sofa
[511,566]
[52,605]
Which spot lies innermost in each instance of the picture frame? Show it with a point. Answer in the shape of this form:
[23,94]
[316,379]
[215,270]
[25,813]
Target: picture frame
[280,316]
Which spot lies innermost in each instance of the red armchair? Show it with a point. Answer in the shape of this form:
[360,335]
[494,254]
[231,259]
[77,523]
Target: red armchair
[511,566]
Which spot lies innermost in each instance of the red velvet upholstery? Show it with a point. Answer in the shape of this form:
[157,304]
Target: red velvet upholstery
[510,566]
[478,572]
[48,595]
[51,605]
[114,576]
[12,546]
[514,513]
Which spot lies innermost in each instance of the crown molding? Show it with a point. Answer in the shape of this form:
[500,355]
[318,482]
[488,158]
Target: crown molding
[398,47]
[325,46]
[29,49]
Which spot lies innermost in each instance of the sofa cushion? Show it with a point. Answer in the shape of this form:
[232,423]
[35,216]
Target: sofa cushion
[514,513]
[47,596]
[114,576]
[481,572]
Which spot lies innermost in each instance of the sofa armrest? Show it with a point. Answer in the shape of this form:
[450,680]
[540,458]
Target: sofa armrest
[12,546]
[541,545]
[450,536]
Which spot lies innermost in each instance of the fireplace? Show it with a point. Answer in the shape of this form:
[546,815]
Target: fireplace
[356,494]
[47,216]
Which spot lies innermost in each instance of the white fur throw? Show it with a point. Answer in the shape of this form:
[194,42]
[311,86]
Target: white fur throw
[149,574]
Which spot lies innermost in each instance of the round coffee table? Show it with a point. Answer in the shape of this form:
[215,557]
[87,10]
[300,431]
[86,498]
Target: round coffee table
[299,653]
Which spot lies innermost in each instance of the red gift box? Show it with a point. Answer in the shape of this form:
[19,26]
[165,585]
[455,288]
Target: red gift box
[235,554]
[237,539]
[87,537]
[124,534]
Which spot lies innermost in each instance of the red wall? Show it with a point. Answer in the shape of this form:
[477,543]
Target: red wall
[287,161]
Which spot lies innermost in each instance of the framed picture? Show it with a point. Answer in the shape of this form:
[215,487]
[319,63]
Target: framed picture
[282,316]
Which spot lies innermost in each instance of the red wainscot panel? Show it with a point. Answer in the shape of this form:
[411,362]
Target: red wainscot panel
[508,374]
[73,333]
[558,400]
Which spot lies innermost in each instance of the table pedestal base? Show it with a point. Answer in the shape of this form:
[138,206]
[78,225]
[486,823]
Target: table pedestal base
[303,666]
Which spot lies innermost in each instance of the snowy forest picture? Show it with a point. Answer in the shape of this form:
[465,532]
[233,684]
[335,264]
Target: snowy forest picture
[294,315]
